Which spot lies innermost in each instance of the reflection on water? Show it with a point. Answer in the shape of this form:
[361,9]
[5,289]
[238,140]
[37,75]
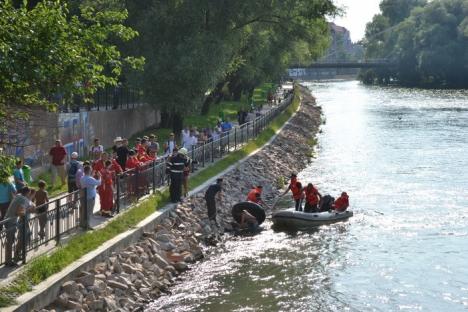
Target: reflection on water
[401,155]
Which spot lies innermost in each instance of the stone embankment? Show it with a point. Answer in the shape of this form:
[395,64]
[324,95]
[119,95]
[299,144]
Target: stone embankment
[133,277]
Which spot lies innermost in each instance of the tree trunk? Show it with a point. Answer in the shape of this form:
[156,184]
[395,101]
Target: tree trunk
[177,123]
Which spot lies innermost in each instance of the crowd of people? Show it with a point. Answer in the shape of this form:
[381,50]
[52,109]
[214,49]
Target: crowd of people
[99,175]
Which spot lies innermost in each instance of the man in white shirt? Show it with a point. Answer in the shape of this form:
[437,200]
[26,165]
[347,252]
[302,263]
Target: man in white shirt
[90,183]
[186,138]
[193,140]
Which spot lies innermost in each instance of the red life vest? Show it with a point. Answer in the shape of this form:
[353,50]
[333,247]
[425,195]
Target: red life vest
[254,195]
[296,191]
[132,163]
[341,203]
[311,195]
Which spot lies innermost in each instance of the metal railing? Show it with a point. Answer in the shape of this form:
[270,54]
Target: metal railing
[108,98]
[65,214]
[50,222]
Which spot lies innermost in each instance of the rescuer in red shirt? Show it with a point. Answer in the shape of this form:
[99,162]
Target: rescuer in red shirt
[296,189]
[341,203]
[255,195]
[312,197]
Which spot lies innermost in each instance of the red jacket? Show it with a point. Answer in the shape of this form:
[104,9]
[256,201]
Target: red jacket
[341,203]
[132,163]
[98,165]
[311,195]
[296,191]
[116,167]
[254,195]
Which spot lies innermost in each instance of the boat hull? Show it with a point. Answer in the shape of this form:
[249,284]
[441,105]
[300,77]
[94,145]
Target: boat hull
[292,219]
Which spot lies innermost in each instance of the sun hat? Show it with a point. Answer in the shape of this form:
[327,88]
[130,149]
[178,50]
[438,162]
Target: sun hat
[74,155]
[183,151]
[118,139]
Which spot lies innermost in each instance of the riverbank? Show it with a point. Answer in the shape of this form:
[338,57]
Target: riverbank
[131,278]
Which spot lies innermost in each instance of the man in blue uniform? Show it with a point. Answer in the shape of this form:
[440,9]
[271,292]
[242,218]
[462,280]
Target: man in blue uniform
[210,197]
[176,164]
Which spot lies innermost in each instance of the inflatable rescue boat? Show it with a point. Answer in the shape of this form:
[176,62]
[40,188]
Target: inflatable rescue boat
[292,219]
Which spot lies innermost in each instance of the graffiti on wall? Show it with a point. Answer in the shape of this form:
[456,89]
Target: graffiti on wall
[73,132]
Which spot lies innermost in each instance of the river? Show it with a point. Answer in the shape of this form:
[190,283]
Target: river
[402,156]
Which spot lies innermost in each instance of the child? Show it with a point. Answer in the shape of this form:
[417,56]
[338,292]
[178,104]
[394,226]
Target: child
[41,198]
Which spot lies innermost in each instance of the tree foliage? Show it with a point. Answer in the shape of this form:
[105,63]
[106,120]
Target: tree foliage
[428,42]
[193,47]
[46,52]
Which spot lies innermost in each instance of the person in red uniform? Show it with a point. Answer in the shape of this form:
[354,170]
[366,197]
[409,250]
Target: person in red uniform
[341,203]
[106,193]
[115,164]
[132,161]
[312,197]
[296,189]
[255,195]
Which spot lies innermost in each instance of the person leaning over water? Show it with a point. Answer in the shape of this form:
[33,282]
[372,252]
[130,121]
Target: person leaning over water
[296,189]
[255,196]
[214,191]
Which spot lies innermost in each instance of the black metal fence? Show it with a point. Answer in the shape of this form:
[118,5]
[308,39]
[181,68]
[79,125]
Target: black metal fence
[50,222]
[54,220]
[108,98]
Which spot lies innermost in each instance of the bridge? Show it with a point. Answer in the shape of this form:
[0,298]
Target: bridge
[330,69]
[345,64]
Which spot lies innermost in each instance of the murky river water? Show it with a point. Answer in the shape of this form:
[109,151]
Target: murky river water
[402,155]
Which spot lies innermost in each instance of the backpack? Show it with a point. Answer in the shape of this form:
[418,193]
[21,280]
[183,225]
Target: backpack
[326,203]
[72,170]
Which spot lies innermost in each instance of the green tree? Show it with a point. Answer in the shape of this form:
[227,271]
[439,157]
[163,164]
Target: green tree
[428,47]
[194,46]
[45,51]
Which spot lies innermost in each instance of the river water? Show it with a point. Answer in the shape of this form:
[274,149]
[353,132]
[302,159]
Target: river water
[402,156]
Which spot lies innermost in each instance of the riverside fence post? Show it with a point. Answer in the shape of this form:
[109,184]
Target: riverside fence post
[85,209]
[212,150]
[221,145]
[228,140]
[136,184]
[235,138]
[193,157]
[203,161]
[154,175]
[117,200]
[57,221]
[23,237]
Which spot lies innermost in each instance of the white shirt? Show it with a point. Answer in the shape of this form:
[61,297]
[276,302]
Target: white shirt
[185,138]
[193,141]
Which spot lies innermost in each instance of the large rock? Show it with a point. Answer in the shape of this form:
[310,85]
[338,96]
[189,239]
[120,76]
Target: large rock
[87,279]
[128,268]
[97,305]
[110,304]
[70,287]
[116,284]
[181,266]
[160,261]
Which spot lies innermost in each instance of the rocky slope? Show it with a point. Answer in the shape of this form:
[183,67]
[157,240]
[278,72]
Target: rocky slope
[131,278]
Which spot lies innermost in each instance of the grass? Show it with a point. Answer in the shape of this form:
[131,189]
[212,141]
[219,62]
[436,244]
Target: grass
[46,265]
[53,191]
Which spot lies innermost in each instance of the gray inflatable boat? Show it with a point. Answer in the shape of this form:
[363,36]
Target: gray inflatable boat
[292,219]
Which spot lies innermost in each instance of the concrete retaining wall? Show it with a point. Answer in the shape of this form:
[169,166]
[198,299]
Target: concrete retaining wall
[77,131]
